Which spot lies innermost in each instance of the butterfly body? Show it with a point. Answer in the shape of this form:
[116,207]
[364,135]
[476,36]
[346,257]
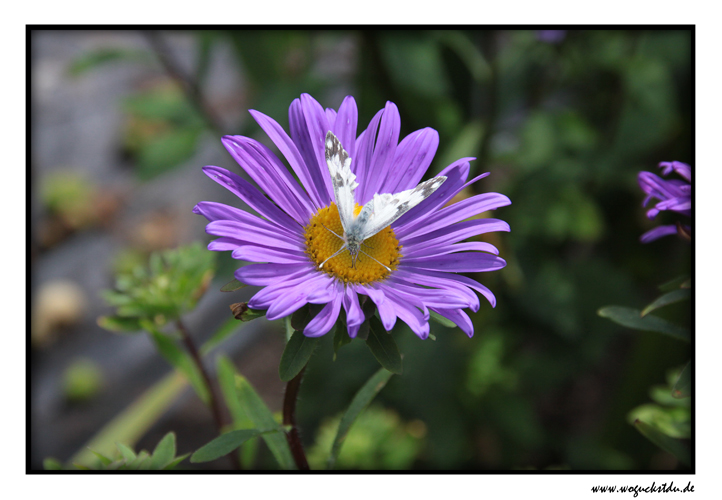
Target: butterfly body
[378,213]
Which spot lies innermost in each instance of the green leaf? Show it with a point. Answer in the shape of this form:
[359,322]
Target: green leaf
[128,454]
[93,59]
[226,379]
[262,418]
[303,316]
[683,386]
[678,282]
[232,286]
[295,356]
[241,312]
[176,461]
[164,452]
[631,318]
[52,464]
[179,359]
[668,298]
[119,324]
[224,444]
[138,462]
[668,444]
[383,347]
[103,459]
[441,320]
[135,420]
[359,402]
[340,336]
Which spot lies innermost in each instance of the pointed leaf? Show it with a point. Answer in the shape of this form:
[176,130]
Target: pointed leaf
[668,444]
[232,286]
[262,418]
[176,461]
[164,452]
[52,464]
[383,347]
[668,298]
[118,324]
[241,312]
[103,459]
[441,320]
[676,283]
[340,336]
[360,401]
[631,318]
[226,443]
[683,386]
[295,356]
[128,454]
[304,315]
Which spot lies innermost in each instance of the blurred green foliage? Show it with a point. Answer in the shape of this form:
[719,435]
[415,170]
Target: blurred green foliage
[564,129]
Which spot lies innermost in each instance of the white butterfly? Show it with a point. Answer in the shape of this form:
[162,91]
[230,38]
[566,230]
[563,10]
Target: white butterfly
[380,212]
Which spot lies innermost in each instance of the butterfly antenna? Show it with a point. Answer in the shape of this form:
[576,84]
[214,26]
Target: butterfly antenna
[334,255]
[332,232]
[379,263]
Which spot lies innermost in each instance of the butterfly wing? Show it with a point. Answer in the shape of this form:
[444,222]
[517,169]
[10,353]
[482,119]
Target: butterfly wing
[386,208]
[343,180]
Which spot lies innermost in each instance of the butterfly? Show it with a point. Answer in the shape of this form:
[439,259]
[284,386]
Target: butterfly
[378,213]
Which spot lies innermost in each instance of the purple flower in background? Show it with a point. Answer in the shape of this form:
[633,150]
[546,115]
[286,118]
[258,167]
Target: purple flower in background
[407,269]
[551,36]
[673,194]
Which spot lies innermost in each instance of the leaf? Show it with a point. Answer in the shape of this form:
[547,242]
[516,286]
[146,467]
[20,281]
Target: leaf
[295,356]
[676,283]
[103,459]
[359,402]
[52,464]
[164,452]
[119,324]
[304,315]
[668,444]
[340,336]
[262,418]
[383,347]
[441,320]
[232,286]
[668,298]
[176,461]
[128,454]
[101,56]
[224,444]
[180,360]
[632,318]
[683,386]
[135,420]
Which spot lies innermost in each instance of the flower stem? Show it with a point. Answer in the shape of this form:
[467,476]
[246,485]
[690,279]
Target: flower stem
[289,418]
[214,399]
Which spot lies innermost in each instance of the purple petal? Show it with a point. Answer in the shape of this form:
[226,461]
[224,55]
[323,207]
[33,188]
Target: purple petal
[681,168]
[255,253]
[456,175]
[255,235]
[268,274]
[308,130]
[657,233]
[454,233]
[310,177]
[224,244]
[386,309]
[464,297]
[364,152]
[331,118]
[251,196]
[458,263]
[445,248]
[460,211]
[383,154]
[460,318]
[354,314]
[428,297]
[265,297]
[435,278]
[271,176]
[411,160]
[417,321]
[346,124]
[324,320]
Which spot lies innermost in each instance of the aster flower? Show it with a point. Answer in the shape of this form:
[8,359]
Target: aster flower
[414,263]
[674,194]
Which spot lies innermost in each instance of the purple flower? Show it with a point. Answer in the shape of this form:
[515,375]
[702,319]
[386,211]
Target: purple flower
[673,194]
[551,36]
[423,248]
